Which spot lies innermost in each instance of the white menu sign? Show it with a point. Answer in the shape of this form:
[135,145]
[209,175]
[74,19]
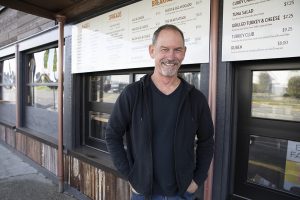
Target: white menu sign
[120,39]
[293,151]
[260,29]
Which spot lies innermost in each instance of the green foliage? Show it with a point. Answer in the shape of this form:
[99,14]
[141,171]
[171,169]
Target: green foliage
[55,61]
[46,57]
[265,83]
[255,88]
[294,86]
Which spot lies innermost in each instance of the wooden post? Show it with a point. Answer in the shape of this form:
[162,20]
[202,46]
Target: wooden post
[60,157]
[212,92]
[18,89]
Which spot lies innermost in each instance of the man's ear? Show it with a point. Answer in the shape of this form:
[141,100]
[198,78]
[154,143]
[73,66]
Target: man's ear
[151,50]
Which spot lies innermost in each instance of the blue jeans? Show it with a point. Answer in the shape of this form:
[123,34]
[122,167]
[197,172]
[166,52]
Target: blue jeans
[186,196]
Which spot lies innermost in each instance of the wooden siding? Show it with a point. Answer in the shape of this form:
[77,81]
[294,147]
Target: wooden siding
[16,25]
[10,137]
[49,158]
[95,183]
[33,150]
[21,143]
[2,133]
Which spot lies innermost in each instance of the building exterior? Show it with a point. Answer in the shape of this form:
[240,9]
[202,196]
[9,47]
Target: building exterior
[256,104]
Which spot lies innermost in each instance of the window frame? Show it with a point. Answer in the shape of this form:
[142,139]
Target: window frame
[3,85]
[247,126]
[104,107]
[40,121]
[29,85]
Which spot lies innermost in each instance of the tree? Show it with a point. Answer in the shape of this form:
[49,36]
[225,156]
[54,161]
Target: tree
[54,61]
[265,83]
[294,86]
[255,87]
[46,57]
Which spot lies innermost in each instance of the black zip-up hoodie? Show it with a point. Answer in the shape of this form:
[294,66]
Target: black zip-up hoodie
[132,116]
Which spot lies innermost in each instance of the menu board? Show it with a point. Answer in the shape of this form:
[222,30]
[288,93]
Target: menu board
[292,166]
[120,39]
[260,29]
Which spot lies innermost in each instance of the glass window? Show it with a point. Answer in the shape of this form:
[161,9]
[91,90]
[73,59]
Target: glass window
[8,80]
[98,122]
[274,163]
[42,79]
[276,94]
[102,91]
[43,97]
[192,78]
[137,77]
[107,88]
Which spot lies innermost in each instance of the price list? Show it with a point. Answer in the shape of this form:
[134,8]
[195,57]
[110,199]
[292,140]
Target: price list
[99,42]
[120,39]
[260,29]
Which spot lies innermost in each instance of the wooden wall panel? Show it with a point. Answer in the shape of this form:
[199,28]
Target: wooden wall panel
[33,150]
[72,175]
[49,158]
[91,181]
[122,190]
[10,137]
[110,186]
[2,133]
[67,168]
[21,143]
[100,185]
[86,181]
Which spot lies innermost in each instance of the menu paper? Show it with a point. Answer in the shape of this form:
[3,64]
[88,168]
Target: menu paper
[260,29]
[120,39]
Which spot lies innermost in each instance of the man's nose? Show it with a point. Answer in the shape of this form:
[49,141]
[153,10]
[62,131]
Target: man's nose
[171,54]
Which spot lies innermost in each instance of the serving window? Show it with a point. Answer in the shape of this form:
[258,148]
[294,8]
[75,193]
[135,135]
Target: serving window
[8,80]
[101,92]
[42,79]
[276,94]
[274,163]
[267,160]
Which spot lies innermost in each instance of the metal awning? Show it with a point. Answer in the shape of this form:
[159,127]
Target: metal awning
[73,10]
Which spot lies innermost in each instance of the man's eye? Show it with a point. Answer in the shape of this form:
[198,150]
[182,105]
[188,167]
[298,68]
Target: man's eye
[164,50]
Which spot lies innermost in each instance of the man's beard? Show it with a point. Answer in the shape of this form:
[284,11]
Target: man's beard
[169,67]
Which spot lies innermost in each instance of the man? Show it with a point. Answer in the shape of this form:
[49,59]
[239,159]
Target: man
[160,115]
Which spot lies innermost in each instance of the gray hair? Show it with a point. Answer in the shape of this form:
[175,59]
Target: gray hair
[166,27]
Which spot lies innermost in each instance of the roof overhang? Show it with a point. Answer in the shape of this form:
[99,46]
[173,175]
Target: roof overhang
[72,10]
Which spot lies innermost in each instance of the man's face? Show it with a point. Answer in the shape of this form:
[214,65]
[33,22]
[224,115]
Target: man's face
[168,52]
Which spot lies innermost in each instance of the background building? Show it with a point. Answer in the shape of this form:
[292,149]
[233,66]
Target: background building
[242,55]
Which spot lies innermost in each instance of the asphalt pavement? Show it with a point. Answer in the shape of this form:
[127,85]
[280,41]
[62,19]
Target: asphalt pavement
[20,181]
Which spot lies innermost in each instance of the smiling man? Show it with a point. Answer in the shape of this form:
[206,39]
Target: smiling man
[160,115]
[168,51]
